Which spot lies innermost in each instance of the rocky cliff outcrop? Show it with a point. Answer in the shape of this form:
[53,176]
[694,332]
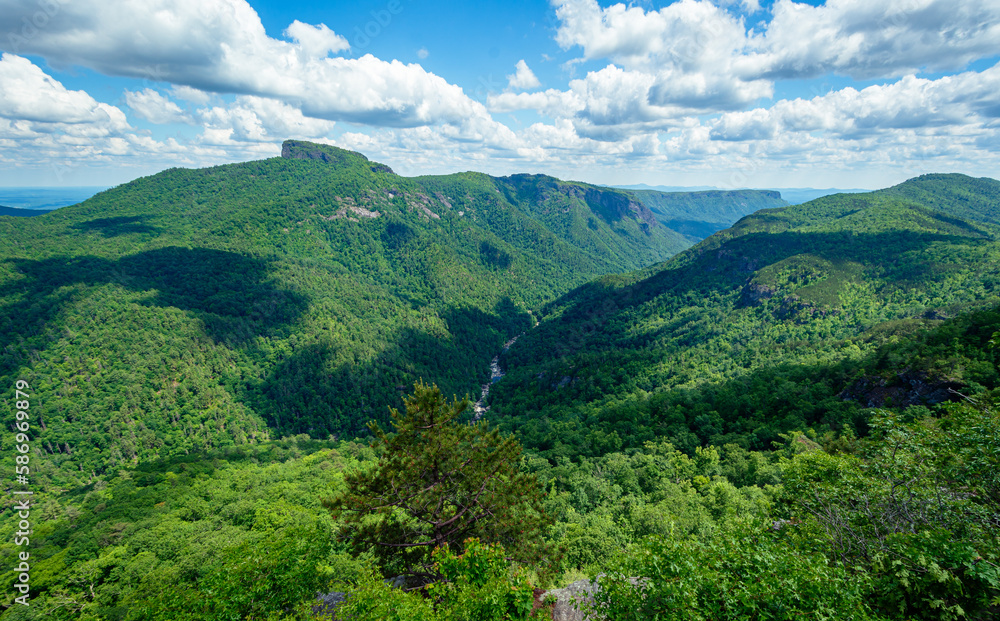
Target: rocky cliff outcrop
[902,390]
[754,294]
[614,206]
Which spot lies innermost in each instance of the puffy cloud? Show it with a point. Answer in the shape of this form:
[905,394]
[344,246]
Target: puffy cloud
[552,102]
[258,119]
[865,39]
[193,95]
[614,97]
[752,125]
[63,136]
[316,41]
[615,104]
[859,38]
[960,101]
[221,46]
[155,108]
[693,50]
[688,34]
[523,78]
[30,96]
[872,136]
[704,59]
[706,91]
[372,91]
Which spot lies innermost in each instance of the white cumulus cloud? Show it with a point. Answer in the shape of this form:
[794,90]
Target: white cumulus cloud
[952,104]
[28,94]
[866,39]
[259,119]
[316,41]
[692,49]
[193,95]
[704,58]
[220,46]
[523,78]
[155,108]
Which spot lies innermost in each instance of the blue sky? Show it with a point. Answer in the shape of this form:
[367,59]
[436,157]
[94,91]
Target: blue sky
[728,93]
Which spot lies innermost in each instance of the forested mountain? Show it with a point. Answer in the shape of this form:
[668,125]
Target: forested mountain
[301,294]
[699,214]
[767,327]
[792,196]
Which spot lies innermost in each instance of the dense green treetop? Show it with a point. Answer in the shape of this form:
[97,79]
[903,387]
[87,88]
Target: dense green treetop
[240,532]
[439,481]
[959,196]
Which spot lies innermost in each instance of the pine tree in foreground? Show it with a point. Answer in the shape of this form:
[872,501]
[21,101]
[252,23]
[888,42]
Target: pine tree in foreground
[439,481]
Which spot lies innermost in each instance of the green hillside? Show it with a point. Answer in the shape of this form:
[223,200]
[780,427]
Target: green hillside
[196,309]
[763,328]
[699,214]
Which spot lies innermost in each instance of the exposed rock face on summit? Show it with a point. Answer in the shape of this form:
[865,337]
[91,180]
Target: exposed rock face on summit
[302,150]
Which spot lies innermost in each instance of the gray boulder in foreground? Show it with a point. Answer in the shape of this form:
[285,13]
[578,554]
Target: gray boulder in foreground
[571,600]
[328,603]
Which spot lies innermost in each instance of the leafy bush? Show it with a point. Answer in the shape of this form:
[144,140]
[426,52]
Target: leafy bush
[274,575]
[480,585]
[917,512]
[746,573]
[477,585]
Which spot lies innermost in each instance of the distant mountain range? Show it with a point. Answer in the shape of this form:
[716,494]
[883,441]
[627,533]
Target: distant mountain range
[46,198]
[696,215]
[21,213]
[794,196]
